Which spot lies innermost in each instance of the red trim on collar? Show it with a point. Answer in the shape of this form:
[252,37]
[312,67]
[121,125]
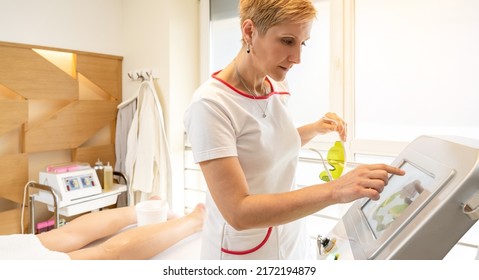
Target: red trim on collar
[244,93]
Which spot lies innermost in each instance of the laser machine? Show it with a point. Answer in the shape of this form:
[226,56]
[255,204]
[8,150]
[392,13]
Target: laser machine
[70,190]
[420,215]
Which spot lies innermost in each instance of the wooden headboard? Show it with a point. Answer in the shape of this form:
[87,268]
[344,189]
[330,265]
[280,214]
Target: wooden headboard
[56,106]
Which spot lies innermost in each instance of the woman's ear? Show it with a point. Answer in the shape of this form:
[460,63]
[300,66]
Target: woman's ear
[248,29]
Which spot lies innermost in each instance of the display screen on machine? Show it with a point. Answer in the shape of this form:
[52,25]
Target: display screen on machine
[74,183]
[399,194]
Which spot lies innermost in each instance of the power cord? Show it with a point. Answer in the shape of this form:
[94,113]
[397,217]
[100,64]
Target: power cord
[324,163]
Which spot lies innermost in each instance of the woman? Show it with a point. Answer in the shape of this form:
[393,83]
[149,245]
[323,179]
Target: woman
[247,146]
[70,241]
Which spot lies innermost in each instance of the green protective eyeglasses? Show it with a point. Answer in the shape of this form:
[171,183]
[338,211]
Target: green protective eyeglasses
[336,158]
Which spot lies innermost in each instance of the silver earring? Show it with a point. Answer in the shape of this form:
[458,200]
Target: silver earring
[247,49]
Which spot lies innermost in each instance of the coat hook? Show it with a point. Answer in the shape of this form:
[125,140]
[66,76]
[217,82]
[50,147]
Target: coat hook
[139,76]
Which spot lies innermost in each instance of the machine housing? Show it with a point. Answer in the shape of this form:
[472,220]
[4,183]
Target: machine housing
[420,215]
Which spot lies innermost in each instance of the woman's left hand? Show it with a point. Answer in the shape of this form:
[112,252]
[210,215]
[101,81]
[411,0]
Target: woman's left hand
[330,123]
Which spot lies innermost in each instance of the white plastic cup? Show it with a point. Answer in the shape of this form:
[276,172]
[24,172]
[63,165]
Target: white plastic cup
[151,212]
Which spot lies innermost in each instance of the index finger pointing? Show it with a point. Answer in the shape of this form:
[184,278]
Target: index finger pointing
[389,169]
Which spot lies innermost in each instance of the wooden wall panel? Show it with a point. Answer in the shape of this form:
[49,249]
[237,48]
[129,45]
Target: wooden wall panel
[29,74]
[14,176]
[10,221]
[14,113]
[105,153]
[70,127]
[44,104]
[105,73]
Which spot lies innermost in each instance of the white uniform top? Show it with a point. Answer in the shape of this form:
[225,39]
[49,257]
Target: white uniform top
[223,121]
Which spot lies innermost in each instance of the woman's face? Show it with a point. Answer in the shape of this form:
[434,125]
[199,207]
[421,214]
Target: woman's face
[280,48]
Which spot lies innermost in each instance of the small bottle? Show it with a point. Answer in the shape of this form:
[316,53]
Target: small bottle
[99,168]
[107,177]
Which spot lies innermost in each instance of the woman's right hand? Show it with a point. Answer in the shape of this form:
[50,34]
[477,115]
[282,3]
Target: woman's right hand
[364,181]
[331,122]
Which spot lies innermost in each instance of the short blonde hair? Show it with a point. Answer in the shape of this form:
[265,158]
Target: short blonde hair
[268,13]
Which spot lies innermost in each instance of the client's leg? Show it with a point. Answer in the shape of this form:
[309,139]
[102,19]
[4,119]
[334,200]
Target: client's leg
[88,228]
[146,241]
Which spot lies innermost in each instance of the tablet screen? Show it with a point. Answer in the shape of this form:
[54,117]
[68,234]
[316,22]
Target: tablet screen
[399,194]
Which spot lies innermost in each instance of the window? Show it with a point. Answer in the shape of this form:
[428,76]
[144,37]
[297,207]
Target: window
[310,89]
[415,69]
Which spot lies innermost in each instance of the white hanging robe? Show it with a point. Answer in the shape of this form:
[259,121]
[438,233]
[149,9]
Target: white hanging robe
[148,165]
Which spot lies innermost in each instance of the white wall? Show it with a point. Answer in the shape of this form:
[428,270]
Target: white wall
[85,25]
[163,35]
